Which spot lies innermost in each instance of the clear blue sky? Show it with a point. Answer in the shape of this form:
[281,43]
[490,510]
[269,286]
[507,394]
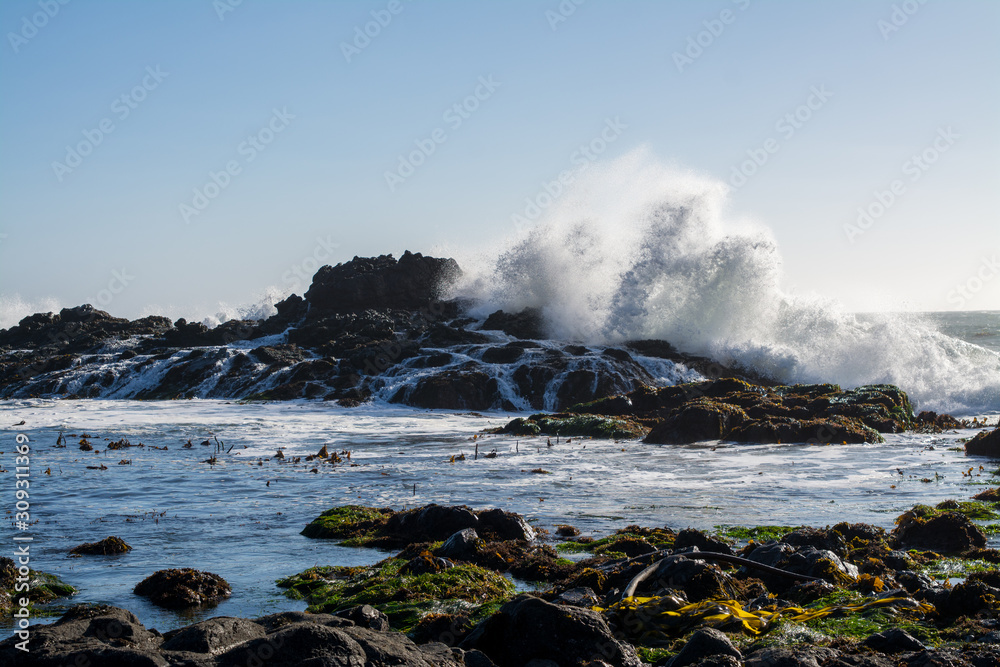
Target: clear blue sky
[219,81]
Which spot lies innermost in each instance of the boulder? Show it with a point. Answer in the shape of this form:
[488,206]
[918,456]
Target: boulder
[179,588]
[704,643]
[212,636]
[947,532]
[702,419]
[528,628]
[107,546]
[893,641]
[452,390]
[460,546]
[985,443]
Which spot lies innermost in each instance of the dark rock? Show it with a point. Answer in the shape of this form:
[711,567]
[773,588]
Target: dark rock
[212,636]
[828,540]
[503,355]
[948,532]
[498,525]
[695,538]
[796,656]
[366,616]
[525,324]
[460,546]
[698,579]
[298,644]
[579,597]
[893,641]
[178,588]
[985,443]
[968,598]
[279,355]
[698,420]
[381,282]
[107,546]
[702,644]
[452,390]
[528,628]
[431,523]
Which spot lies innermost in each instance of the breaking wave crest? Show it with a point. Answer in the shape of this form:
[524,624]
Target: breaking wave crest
[635,249]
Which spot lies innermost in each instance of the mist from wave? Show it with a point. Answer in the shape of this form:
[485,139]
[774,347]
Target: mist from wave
[636,249]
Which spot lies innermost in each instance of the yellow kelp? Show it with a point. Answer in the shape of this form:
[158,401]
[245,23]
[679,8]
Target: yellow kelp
[652,618]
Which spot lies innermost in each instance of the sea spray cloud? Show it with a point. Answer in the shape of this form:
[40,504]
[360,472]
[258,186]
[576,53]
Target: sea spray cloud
[636,249]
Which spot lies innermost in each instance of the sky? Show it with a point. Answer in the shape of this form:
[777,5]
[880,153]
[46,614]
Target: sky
[185,157]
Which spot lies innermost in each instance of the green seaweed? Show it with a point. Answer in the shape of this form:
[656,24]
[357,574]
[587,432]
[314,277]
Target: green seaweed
[353,524]
[755,533]
[404,598]
[573,425]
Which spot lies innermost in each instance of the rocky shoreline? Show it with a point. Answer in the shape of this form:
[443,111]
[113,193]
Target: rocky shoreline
[850,594]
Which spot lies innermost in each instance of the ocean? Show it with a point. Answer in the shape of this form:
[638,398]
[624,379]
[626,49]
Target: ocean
[241,516]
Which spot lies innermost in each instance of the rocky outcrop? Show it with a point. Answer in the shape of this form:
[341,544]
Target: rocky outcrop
[381,282]
[106,547]
[103,635]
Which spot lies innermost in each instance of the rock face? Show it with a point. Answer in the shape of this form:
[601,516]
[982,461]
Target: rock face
[380,282]
[528,628]
[108,636]
[179,588]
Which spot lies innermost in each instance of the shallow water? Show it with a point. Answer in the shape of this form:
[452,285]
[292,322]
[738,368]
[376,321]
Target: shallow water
[177,511]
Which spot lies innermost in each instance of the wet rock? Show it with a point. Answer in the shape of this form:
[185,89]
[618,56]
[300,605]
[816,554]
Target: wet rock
[781,429]
[497,524]
[366,616]
[970,597]
[381,282]
[695,538]
[452,390]
[696,578]
[460,546]
[107,546]
[948,532]
[212,636]
[893,641]
[578,597]
[528,628]
[704,643]
[431,523]
[698,420]
[279,356]
[828,540]
[502,355]
[179,588]
[798,656]
[985,443]
[525,324]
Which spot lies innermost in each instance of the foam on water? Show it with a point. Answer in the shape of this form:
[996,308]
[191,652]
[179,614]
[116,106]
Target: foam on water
[635,249]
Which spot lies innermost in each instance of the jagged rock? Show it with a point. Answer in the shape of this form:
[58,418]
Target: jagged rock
[528,628]
[695,538]
[452,390]
[178,588]
[460,546]
[524,324]
[410,283]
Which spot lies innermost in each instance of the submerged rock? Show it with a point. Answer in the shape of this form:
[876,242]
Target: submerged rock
[107,546]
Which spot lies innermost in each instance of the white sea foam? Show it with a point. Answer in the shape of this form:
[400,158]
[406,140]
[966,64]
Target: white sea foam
[635,249]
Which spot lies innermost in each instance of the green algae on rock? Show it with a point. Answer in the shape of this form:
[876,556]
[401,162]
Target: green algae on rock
[354,524]
[42,587]
[392,589]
